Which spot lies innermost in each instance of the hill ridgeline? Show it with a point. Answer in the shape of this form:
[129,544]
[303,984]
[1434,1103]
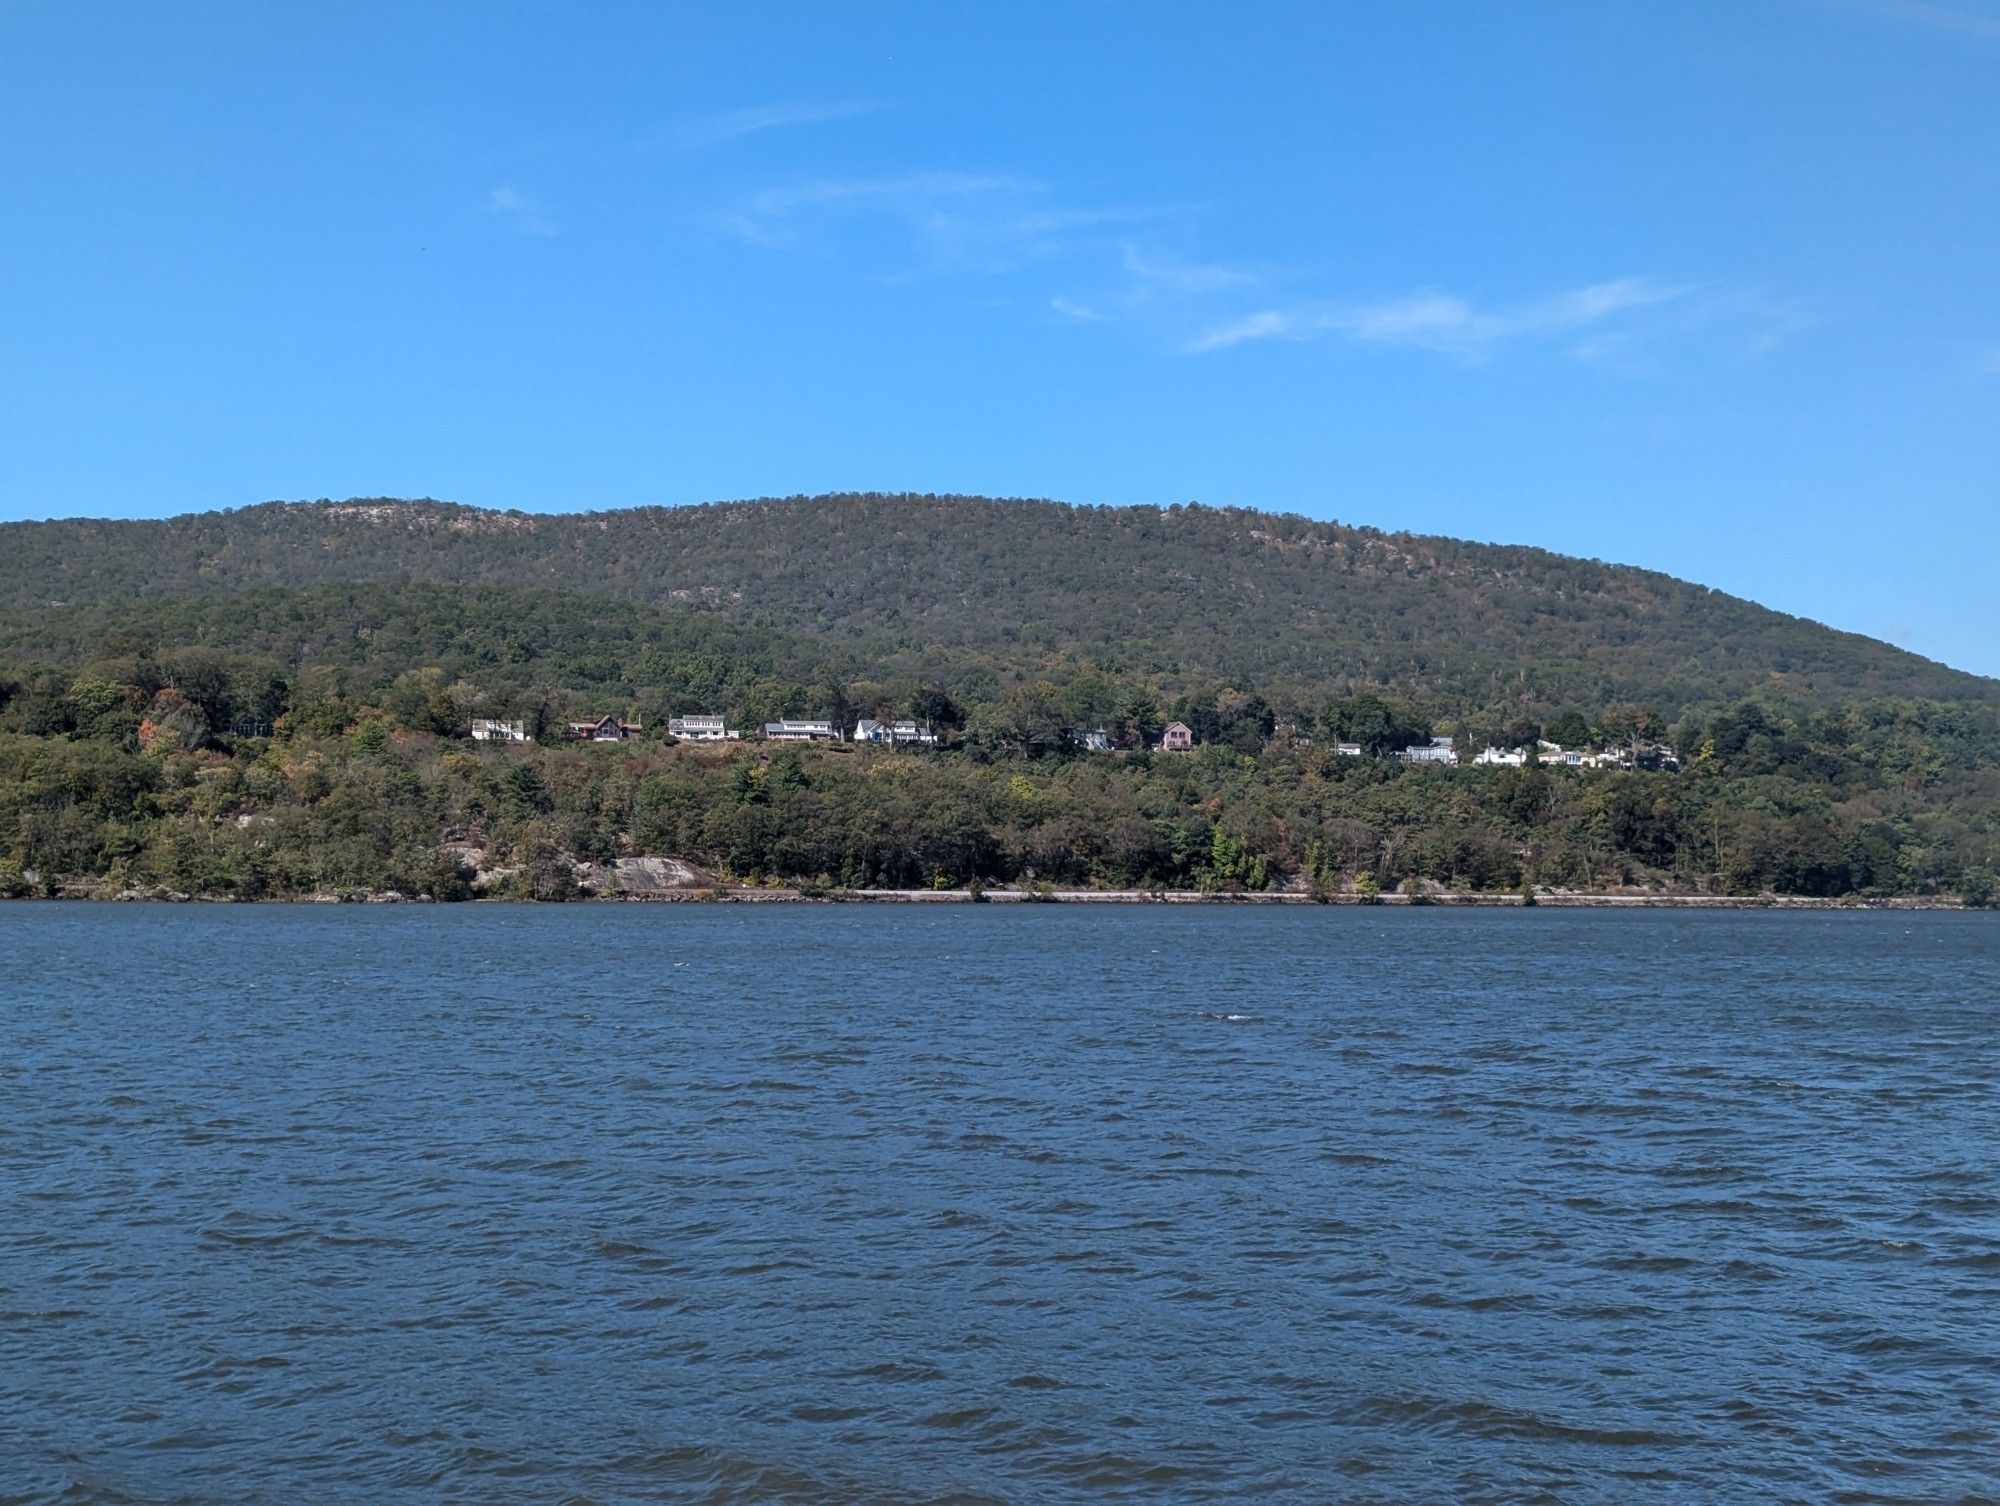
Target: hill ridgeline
[1182,594]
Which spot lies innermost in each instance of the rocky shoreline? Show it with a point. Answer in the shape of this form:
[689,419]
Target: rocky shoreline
[757,895]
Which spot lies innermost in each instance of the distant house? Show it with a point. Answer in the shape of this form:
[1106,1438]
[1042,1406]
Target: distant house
[700,729]
[486,730]
[1438,750]
[902,734]
[1348,750]
[800,730]
[1510,758]
[1096,740]
[1556,754]
[1177,738]
[606,729]
[1652,757]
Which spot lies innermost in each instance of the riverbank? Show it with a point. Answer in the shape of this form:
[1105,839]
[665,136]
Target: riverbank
[762,895]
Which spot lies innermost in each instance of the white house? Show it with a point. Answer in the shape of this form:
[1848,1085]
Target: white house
[486,730]
[902,734]
[1348,750]
[1096,740]
[700,729]
[1510,758]
[1438,750]
[800,730]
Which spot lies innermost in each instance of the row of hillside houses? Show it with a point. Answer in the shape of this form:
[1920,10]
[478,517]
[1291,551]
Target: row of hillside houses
[906,733]
[714,729]
[608,729]
[1443,751]
[1175,737]
[1555,755]
[1436,750]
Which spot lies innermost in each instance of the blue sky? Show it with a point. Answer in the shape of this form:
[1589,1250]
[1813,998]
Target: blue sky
[1708,287]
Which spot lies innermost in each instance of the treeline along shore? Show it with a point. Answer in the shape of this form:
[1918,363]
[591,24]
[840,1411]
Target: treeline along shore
[952,697]
[361,806]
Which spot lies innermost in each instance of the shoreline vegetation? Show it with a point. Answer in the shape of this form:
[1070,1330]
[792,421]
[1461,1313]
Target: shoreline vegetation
[365,808]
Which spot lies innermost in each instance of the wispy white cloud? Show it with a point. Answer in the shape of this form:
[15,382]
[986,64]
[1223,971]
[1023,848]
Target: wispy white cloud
[959,221]
[1764,322]
[1954,18]
[520,211]
[780,216]
[1266,324]
[1126,266]
[1151,286]
[1069,308]
[1159,270]
[1442,322]
[700,132]
[1987,362]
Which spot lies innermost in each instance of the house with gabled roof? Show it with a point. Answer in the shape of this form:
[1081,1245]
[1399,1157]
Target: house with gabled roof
[606,729]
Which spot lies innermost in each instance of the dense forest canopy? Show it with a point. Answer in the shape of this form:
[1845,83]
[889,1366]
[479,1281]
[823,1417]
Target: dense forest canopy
[1181,593]
[276,700]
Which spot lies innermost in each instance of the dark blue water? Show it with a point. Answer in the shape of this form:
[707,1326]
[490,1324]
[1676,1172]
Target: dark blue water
[837,1204]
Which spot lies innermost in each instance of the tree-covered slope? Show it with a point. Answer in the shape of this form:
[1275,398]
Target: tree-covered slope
[1178,594]
[279,701]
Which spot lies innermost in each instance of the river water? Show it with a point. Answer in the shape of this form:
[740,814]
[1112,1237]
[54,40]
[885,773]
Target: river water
[1044,1204]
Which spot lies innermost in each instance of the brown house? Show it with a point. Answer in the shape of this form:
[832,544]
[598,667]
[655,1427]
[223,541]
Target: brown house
[1178,738]
[606,729]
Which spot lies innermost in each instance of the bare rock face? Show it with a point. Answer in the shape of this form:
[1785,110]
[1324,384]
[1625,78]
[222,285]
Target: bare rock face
[639,876]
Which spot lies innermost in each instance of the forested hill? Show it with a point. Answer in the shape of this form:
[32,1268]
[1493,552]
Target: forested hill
[1181,594]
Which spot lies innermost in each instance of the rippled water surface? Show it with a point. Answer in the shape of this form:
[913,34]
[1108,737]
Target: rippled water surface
[1045,1204]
